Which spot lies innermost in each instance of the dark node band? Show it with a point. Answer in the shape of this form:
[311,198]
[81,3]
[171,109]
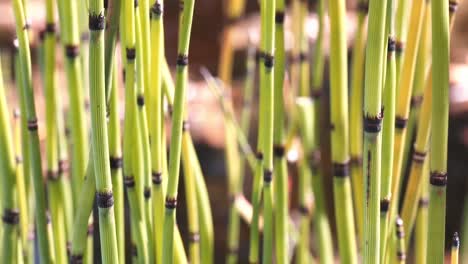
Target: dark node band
[157,177]
[419,157]
[401,255]
[90,229]
[455,240]
[106,4]
[453,6]
[27,25]
[134,250]
[42,35]
[185,125]
[170,110]
[32,125]
[50,28]
[391,44]
[315,158]
[115,162]
[356,160]
[278,151]
[384,205]
[130,53]
[62,166]
[104,199]
[68,248]
[303,210]
[182,60]
[181,6]
[423,202]
[416,101]
[363,7]
[156,9]
[259,155]
[123,75]
[399,46]
[76,259]
[233,250]
[140,100]
[269,60]
[96,22]
[171,203]
[438,178]
[147,193]
[259,55]
[72,51]
[194,237]
[373,124]
[341,169]
[400,122]
[10,216]
[135,3]
[52,175]
[279,17]
[129,181]
[303,57]
[267,175]
[316,93]
[18,159]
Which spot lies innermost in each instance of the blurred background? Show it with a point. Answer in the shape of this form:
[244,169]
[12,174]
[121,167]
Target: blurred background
[206,117]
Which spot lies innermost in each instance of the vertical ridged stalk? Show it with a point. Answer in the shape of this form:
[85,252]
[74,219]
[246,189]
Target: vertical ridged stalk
[29,110]
[280,169]
[339,134]
[455,249]
[115,152]
[401,32]
[374,70]
[355,129]
[185,19]
[113,18]
[100,144]
[389,95]
[10,213]
[420,232]
[71,42]
[439,130]
[302,250]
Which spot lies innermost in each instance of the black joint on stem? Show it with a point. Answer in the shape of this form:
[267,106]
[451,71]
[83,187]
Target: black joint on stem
[363,7]
[170,109]
[416,101]
[315,159]
[10,216]
[115,162]
[356,161]
[185,126]
[62,166]
[96,22]
[401,256]
[316,93]
[104,199]
[279,17]
[267,175]
[391,45]
[32,125]
[129,181]
[233,250]
[303,57]
[134,250]
[423,203]
[453,6]
[400,232]
[68,248]
[194,237]
[171,203]
[181,6]
[72,51]
[278,150]
[399,47]
[259,55]
[419,157]
[18,159]
[384,205]
[341,170]
[438,178]
[135,3]
[27,25]
[90,229]
[400,122]
[303,210]
[157,177]
[373,124]
[76,259]
[106,4]
[259,155]
[52,175]
[157,9]
[42,35]
[50,28]
[140,100]
[269,60]
[130,53]
[182,60]
[147,193]
[455,240]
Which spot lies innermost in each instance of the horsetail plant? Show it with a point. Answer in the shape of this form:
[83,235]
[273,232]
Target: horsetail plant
[439,131]
[30,123]
[185,26]
[455,250]
[400,236]
[104,196]
[420,230]
[339,134]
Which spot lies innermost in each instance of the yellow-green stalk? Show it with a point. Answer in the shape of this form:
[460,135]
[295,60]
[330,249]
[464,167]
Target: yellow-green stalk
[339,134]
[420,231]
[455,250]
